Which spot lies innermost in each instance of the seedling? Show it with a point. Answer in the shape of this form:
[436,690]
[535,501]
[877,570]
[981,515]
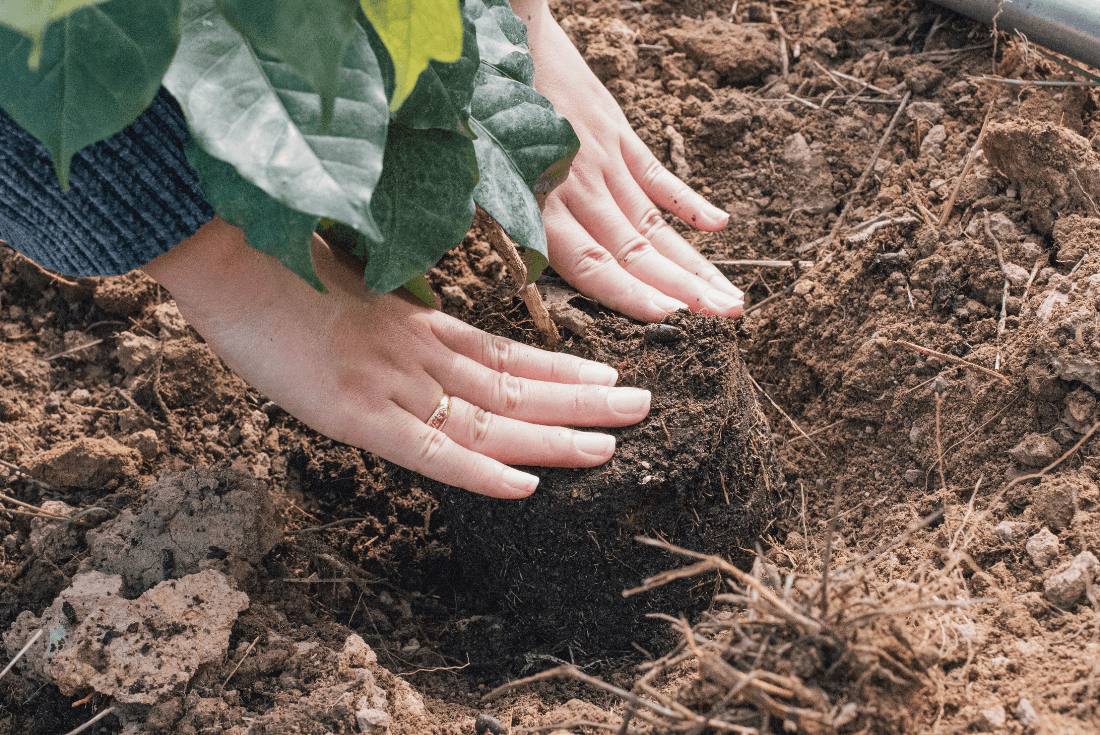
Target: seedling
[387,119]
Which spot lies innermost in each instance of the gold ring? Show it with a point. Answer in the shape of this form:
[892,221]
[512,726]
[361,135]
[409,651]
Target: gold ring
[441,413]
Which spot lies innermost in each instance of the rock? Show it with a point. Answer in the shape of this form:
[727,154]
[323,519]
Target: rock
[81,397]
[739,55]
[136,352]
[1007,530]
[931,112]
[455,298]
[86,463]
[137,651]
[913,477]
[54,541]
[1073,236]
[992,718]
[1036,450]
[1066,587]
[487,725]
[1016,275]
[1003,228]
[1080,410]
[1026,714]
[724,121]
[923,78]
[146,442]
[168,317]
[1052,500]
[187,522]
[1042,548]
[932,143]
[811,180]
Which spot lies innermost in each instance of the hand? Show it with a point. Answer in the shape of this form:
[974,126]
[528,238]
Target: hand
[605,234]
[369,370]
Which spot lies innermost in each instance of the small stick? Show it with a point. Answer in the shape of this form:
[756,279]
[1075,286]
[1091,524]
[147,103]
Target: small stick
[1027,287]
[784,63]
[866,85]
[870,166]
[234,671]
[23,473]
[92,721]
[506,249]
[901,538]
[38,511]
[929,218]
[71,350]
[815,432]
[948,358]
[789,419]
[1031,82]
[833,78]
[22,650]
[327,526]
[1081,188]
[437,668]
[971,156]
[774,296]
[573,671]
[809,104]
[766,263]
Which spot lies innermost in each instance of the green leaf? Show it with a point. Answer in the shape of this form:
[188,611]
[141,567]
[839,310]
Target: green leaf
[269,226]
[30,17]
[421,289]
[423,204]
[310,36]
[441,98]
[101,66]
[262,118]
[501,41]
[415,31]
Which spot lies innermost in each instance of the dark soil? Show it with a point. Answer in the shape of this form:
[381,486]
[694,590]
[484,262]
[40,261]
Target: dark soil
[893,433]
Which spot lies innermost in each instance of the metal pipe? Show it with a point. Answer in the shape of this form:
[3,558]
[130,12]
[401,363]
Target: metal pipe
[1070,27]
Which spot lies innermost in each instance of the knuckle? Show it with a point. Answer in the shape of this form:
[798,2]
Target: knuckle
[652,223]
[498,352]
[652,173]
[509,392]
[591,259]
[637,248]
[430,447]
[481,430]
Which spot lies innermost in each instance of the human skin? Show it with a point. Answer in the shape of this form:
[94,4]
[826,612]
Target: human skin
[369,369]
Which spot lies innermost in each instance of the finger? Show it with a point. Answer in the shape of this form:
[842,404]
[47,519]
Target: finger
[505,355]
[517,442]
[638,205]
[593,271]
[633,246]
[536,401]
[667,191]
[420,448]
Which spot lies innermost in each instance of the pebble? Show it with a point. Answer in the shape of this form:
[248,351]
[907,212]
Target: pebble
[487,724]
[1006,530]
[1042,548]
[1026,714]
[913,476]
[663,333]
[924,110]
[1002,227]
[1036,450]
[994,717]
[1065,588]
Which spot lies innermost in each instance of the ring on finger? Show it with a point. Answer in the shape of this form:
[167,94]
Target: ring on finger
[441,413]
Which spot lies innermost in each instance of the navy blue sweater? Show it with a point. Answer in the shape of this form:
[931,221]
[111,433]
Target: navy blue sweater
[132,197]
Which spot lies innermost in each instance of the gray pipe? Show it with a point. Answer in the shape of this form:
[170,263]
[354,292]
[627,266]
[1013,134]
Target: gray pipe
[1070,27]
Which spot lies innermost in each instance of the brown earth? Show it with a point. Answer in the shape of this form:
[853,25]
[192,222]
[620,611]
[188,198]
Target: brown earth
[103,390]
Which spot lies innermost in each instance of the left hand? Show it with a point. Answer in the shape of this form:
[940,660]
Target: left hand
[605,233]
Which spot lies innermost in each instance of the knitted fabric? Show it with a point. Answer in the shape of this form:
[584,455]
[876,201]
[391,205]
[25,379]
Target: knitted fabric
[132,197]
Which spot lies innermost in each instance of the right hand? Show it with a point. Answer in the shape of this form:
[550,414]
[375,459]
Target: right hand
[369,370]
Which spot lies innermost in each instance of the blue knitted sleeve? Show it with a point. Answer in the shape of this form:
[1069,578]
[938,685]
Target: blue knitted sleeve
[132,197]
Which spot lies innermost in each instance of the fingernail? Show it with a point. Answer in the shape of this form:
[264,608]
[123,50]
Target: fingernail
[722,283]
[630,401]
[594,445]
[667,304]
[523,483]
[596,373]
[722,301]
[715,214]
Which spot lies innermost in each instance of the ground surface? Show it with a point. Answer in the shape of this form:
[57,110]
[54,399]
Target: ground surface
[1009,283]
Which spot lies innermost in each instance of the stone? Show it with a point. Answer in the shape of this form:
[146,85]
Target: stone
[1016,275]
[1007,530]
[136,352]
[86,463]
[169,319]
[992,718]
[1003,228]
[1026,714]
[1036,450]
[925,110]
[54,541]
[184,519]
[136,651]
[146,442]
[913,477]
[1042,548]
[932,143]
[1080,410]
[1066,587]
